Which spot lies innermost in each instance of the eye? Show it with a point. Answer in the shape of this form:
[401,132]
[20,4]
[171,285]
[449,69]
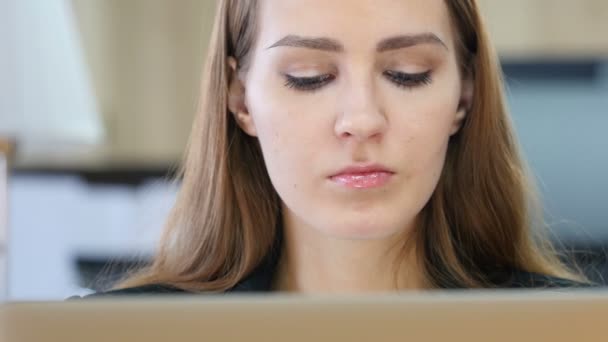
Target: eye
[308,83]
[406,80]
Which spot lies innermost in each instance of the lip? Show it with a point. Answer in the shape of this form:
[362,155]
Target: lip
[355,169]
[363,176]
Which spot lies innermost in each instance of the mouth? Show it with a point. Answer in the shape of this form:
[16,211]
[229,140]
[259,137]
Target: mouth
[363,176]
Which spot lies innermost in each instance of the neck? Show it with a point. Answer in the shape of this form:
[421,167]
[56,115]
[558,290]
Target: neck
[315,263]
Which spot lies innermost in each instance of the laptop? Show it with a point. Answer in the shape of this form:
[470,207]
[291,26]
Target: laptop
[467,315]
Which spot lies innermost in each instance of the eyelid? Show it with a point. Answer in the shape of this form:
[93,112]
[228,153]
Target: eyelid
[308,83]
[406,67]
[309,78]
[398,78]
[407,80]
[428,57]
[304,73]
[410,74]
[310,70]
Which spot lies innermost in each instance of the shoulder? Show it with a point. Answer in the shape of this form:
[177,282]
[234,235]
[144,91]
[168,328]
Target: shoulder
[522,279]
[515,279]
[151,289]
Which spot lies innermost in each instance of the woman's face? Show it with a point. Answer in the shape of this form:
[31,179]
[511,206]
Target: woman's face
[353,102]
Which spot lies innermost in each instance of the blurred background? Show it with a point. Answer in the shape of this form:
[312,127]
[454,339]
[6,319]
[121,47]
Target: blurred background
[97,98]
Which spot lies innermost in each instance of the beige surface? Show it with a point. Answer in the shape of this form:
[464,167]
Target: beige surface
[484,317]
[145,58]
[551,29]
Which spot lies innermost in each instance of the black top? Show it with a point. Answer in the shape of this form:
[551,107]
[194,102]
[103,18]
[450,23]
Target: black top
[260,281]
[257,284]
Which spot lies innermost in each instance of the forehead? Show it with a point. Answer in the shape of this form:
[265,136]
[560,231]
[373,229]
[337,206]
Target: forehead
[356,23]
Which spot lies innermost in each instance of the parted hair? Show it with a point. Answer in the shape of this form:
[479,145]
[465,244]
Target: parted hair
[483,217]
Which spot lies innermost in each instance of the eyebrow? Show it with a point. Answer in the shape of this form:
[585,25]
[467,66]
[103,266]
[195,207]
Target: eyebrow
[332,45]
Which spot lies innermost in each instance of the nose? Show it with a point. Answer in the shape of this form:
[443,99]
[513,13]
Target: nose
[360,116]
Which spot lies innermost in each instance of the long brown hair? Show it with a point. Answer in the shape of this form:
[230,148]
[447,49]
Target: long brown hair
[482,217]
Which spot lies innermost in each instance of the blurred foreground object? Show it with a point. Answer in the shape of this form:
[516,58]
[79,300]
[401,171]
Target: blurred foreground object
[440,316]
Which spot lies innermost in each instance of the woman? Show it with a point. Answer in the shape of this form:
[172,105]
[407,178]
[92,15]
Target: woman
[351,146]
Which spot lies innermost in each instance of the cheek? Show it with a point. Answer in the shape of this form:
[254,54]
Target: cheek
[421,122]
[289,137]
[293,127]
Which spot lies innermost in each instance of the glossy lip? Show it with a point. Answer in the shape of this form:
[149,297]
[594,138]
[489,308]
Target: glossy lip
[363,176]
[362,169]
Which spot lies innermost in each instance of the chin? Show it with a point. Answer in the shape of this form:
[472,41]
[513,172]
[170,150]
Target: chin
[362,231]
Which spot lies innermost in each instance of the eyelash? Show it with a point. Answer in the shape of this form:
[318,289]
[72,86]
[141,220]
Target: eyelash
[400,79]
